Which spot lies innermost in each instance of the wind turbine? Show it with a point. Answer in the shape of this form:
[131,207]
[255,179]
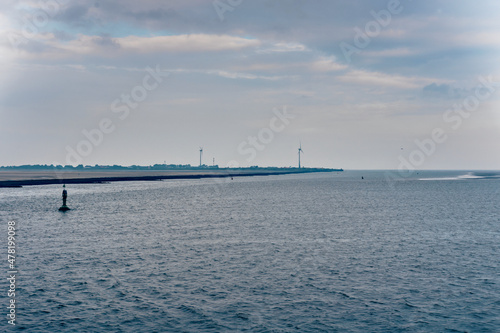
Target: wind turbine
[300,151]
[201,153]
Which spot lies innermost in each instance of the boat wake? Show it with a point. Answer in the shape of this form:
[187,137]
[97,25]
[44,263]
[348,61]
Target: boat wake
[469,176]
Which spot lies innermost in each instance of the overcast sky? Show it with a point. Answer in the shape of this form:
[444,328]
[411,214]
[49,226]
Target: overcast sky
[360,84]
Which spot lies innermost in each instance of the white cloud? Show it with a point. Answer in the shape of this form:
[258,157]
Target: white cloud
[185,43]
[326,64]
[395,52]
[382,79]
[106,46]
[316,64]
[230,75]
[480,38]
[283,47]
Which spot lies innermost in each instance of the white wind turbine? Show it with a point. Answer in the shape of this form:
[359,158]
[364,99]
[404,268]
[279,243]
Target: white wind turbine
[300,152]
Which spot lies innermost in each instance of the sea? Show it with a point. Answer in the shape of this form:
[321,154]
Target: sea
[352,251]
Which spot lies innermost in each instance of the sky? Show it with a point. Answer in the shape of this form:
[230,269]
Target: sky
[380,84]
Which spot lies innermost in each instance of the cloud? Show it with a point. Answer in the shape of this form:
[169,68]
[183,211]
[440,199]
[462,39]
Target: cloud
[389,53]
[378,79]
[447,91]
[326,64]
[283,47]
[441,91]
[437,88]
[186,43]
[49,44]
[230,75]
[309,65]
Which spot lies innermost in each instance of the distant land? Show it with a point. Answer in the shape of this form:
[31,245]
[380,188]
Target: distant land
[29,175]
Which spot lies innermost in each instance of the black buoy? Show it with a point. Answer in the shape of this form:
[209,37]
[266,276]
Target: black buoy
[362,177]
[64,208]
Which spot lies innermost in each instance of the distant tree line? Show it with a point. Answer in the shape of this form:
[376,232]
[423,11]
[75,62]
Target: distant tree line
[108,167]
[98,167]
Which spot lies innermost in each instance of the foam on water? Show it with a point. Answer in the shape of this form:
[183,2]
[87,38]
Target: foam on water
[467,176]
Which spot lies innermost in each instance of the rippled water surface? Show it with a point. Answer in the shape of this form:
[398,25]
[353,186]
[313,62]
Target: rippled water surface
[324,252]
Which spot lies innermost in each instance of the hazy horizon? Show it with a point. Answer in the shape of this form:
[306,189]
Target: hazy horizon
[379,85]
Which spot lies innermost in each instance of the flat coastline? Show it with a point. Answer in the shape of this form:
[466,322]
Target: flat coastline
[19,178]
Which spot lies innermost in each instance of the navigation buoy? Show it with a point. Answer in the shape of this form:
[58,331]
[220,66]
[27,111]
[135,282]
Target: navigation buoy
[64,208]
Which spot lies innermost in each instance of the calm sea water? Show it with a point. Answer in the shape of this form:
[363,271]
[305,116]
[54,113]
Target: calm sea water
[298,253]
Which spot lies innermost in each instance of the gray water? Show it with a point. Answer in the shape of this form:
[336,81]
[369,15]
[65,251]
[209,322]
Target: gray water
[324,252]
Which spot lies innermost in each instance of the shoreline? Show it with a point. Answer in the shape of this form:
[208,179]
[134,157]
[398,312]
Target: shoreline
[117,176]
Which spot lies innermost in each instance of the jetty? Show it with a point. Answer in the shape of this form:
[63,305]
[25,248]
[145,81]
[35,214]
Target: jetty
[18,177]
